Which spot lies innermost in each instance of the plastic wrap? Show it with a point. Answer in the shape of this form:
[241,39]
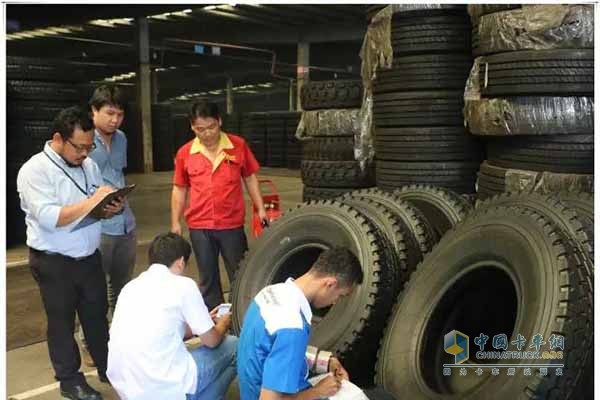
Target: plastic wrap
[547,182]
[476,11]
[328,123]
[537,27]
[376,52]
[529,116]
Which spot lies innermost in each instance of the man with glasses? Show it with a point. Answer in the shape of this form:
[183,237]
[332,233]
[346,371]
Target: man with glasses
[211,168]
[57,187]
[118,242]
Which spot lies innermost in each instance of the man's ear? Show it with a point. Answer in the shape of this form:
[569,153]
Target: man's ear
[331,282]
[57,137]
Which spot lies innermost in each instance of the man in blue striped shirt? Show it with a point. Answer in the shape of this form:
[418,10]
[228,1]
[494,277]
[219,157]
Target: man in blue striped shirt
[273,358]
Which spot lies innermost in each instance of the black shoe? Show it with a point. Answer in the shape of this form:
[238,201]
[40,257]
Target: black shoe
[79,391]
[103,378]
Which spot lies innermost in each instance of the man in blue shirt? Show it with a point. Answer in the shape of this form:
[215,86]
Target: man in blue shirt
[57,188]
[274,358]
[118,243]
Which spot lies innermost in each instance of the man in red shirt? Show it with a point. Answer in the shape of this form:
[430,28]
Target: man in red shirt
[210,169]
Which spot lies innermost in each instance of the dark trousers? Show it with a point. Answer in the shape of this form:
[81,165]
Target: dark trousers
[118,262]
[70,286]
[231,244]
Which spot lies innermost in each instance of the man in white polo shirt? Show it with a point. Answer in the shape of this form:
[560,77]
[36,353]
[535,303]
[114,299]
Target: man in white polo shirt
[147,358]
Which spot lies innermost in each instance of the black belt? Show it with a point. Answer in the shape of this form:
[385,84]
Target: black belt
[50,253]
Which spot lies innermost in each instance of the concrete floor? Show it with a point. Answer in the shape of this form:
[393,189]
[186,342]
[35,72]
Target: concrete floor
[29,374]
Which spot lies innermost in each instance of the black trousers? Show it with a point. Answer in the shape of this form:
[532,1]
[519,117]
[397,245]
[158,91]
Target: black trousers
[70,286]
[207,245]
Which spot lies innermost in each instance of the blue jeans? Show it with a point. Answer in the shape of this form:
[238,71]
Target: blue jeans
[216,369]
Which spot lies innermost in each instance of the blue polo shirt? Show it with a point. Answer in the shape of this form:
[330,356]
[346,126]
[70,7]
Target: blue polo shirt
[272,345]
[111,164]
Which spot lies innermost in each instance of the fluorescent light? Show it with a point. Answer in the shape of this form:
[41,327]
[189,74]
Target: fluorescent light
[208,8]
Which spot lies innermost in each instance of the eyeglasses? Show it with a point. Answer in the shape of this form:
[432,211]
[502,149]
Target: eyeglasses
[202,129]
[80,148]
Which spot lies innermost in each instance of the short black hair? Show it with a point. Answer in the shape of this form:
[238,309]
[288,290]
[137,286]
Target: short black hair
[167,248]
[110,95]
[341,263]
[203,109]
[71,118]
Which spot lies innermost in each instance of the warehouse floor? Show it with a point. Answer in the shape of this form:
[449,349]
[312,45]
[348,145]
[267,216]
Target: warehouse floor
[29,372]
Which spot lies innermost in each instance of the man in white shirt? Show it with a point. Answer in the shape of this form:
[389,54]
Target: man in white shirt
[57,187]
[147,358]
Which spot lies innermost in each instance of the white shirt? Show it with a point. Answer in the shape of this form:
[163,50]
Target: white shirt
[44,189]
[147,358]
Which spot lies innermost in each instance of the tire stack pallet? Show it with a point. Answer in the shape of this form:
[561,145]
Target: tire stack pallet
[329,167]
[37,89]
[417,103]
[533,102]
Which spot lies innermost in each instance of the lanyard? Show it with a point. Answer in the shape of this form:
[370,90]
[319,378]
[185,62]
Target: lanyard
[70,177]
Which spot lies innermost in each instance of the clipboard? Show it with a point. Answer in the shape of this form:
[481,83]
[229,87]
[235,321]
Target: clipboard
[97,213]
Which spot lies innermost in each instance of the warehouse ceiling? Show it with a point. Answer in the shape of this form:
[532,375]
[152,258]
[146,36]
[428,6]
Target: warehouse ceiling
[195,48]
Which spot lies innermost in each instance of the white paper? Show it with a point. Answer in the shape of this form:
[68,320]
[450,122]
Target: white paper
[348,390]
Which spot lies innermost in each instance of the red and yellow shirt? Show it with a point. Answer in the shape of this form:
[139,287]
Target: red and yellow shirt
[216,199]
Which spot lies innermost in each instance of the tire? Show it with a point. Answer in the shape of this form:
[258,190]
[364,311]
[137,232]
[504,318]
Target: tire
[533,115]
[494,176]
[544,72]
[443,208]
[26,138]
[438,108]
[331,94]
[454,175]
[40,69]
[34,110]
[335,174]
[378,393]
[468,283]
[436,34]
[426,72]
[46,91]
[421,149]
[514,30]
[418,234]
[310,193]
[476,11]
[328,149]
[560,153]
[566,219]
[326,123]
[351,327]
[390,231]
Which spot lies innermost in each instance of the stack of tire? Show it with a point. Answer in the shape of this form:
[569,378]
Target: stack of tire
[182,132]
[536,109]
[292,144]
[163,140]
[328,166]
[520,265]
[417,104]
[37,89]
[255,133]
[390,233]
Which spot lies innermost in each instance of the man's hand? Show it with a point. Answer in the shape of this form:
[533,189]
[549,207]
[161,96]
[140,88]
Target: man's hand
[101,192]
[114,207]
[262,214]
[327,387]
[176,228]
[336,368]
